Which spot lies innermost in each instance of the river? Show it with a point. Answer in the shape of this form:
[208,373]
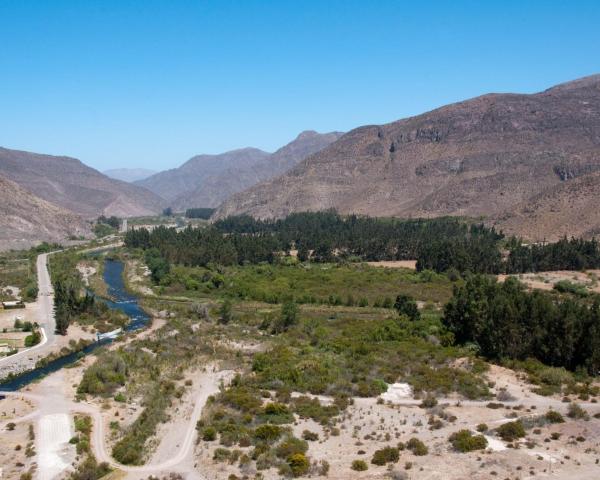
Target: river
[121,300]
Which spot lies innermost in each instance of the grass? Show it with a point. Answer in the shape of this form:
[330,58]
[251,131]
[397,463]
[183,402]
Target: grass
[335,284]
[18,270]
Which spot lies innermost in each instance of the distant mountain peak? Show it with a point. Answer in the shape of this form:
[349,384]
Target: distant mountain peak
[207,180]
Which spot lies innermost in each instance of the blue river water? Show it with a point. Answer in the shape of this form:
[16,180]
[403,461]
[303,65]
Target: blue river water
[121,300]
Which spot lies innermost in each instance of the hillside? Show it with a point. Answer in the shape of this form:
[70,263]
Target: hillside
[569,209]
[129,174]
[26,220]
[70,184]
[215,188]
[488,156]
[172,183]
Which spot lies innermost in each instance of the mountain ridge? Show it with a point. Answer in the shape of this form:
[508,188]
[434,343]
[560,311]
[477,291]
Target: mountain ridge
[68,183]
[207,180]
[480,157]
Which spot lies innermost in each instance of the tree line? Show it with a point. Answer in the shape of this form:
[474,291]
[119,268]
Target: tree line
[504,320]
[203,213]
[440,244]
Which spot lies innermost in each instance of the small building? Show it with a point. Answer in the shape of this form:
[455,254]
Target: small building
[13,304]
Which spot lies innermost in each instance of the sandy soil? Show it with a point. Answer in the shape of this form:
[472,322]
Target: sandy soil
[137,277]
[368,425]
[546,280]
[410,264]
[86,272]
[13,447]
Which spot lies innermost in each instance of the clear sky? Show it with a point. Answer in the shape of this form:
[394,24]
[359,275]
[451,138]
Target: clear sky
[151,83]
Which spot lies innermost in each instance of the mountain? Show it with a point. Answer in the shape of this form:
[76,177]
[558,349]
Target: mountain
[172,183]
[490,156]
[570,209]
[26,220]
[129,174]
[68,183]
[215,188]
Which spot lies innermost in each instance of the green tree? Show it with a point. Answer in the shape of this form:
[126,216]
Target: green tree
[288,317]
[406,305]
[225,312]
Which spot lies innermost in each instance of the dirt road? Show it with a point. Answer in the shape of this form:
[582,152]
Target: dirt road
[52,402]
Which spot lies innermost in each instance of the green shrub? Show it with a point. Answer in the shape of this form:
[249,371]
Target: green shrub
[359,465]
[119,397]
[576,412]
[268,432]
[310,436]
[429,401]
[242,398]
[209,434]
[307,407]
[511,431]
[482,427]
[221,454]
[277,413]
[298,464]
[103,377]
[464,441]
[554,417]
[291,446]
[385,455]
[417,447]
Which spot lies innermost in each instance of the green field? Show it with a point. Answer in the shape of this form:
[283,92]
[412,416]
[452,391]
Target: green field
[337,284]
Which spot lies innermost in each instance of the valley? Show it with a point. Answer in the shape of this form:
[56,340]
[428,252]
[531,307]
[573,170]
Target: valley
[325,366]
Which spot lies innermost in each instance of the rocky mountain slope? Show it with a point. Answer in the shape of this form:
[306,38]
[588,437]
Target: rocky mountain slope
[569,209]
[70,184]
[170,184]
[213,189]
[129,174]
[489,156]
[26,220]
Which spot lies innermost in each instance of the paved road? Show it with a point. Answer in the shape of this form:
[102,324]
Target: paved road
[44,316]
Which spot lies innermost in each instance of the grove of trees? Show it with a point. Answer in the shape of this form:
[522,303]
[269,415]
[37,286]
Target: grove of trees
[441,244]
[504,320]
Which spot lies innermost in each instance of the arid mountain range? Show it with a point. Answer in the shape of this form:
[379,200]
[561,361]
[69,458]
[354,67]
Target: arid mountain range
[526,163]
[208,180]
[129,174]
[529,164]
[68,183]
[26,219]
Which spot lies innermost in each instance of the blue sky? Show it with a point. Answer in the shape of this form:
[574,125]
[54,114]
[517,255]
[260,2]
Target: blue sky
[152,83]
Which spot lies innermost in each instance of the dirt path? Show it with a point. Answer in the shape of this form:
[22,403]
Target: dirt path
[52,403]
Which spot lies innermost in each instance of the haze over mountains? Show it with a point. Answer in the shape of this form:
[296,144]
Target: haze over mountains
[208,180]
[507,157]
[129,174]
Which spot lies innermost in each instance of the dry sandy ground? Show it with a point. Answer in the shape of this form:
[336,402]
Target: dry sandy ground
[410,264]
[546,280]
[13,445]
[86,270]
[137,277]
[365,427]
